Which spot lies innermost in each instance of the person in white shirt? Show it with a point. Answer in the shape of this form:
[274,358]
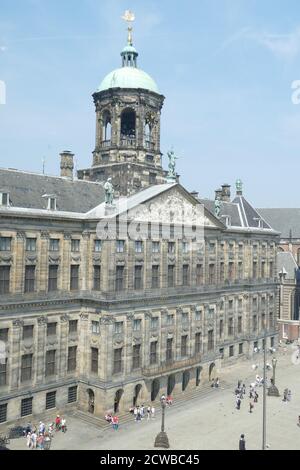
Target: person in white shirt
[152,412]
[63,425]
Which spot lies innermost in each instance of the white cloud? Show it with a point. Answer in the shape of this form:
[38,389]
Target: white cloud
[283,46]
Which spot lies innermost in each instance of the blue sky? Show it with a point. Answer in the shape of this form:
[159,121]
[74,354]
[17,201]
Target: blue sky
[225,66]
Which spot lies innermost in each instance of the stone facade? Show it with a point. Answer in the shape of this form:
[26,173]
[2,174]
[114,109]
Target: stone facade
[122,346]
[101,323]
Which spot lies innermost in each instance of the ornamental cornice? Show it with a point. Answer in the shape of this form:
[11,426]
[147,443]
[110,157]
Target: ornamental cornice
[84,316]
[54,259]
[64,318]
[6,259]
[21,235]
[45,235]
[107,320]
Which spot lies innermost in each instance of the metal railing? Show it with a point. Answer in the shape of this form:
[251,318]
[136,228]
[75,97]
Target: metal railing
[171,366]
[128,142]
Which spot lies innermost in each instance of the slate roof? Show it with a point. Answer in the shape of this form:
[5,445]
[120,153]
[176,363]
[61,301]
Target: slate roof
[287,263]
[26,190]
[285,221]
[227,209]
[250,216]
[240,212]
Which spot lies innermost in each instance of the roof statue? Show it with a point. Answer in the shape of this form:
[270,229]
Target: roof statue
[129,17]
[239,186]
[172,166]
[217,207]
[109,192]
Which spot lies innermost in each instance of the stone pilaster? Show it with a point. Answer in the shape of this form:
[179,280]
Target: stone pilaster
[19,262]
[15,347]
[42,283]
[41,348]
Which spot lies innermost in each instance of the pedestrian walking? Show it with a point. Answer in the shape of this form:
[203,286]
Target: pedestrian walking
[148,412]
[238,403]
[285,394]
[135,412]
[57,423]
[242,443]
[42,428]
[63,425]
[33,440]
[152,412]
[115,423]
[28,439]
[244,389]
[289,395]
[251,406]
[217,382]
[255,397]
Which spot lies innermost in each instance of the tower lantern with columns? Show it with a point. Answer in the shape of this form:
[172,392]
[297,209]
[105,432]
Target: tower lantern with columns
[128,109]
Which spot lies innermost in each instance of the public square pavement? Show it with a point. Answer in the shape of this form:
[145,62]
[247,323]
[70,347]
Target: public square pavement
[206,423]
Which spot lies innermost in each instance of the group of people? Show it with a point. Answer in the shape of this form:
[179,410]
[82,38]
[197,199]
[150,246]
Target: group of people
[215,383]
[113,420]
[240,393]
[37,437]
[287,395]
[139,412]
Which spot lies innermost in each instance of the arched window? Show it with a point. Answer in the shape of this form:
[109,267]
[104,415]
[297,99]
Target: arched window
[106,128]
[128,127]
[147,134]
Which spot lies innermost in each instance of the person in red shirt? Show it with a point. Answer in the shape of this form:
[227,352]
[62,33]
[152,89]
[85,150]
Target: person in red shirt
[57,423]
[115,422]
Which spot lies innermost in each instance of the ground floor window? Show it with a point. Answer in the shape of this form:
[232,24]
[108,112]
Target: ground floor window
[241,348]
[26,407]
[72,394]
[272,342]
[3,413]
[231,351]
[221,351]
[50,400]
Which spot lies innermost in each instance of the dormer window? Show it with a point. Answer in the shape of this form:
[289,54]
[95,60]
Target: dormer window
[51,201]
[227,220]
[4,199]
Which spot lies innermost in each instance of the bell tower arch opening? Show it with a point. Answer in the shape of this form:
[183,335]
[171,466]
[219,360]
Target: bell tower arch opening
[128,127]
[106,128]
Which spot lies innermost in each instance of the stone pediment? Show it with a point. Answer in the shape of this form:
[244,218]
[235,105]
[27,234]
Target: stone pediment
[173,207]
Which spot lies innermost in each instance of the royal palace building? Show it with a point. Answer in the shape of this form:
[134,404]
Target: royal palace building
[112,294]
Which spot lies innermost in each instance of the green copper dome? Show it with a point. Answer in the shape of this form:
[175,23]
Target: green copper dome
[128,77]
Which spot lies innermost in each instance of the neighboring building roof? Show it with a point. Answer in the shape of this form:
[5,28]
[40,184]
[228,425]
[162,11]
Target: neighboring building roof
[285,221]
[251,218]
[240,213]
[26,191]
[128,77]
[286,263]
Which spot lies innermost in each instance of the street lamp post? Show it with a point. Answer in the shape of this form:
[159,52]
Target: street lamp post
[162,438]
[273,390]
[264,398]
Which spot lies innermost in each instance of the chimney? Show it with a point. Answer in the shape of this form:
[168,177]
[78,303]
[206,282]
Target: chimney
[226,193]
[66,164]
[195,194]
[218,194]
